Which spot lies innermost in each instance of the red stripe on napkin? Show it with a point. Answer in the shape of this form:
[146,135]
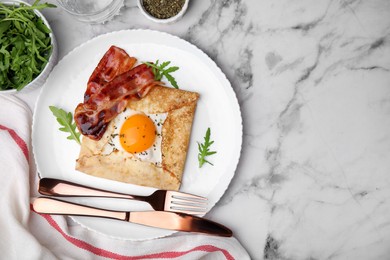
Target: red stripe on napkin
[19,141]
[105,253]
[205,248]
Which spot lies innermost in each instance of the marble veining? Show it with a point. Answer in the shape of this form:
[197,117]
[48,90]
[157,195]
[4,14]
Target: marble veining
[313,82]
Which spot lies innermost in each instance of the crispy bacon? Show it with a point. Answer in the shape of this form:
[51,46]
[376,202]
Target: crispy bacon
[107,101]
[114,62]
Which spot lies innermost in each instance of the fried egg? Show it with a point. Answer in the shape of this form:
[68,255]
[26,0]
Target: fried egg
[137,133]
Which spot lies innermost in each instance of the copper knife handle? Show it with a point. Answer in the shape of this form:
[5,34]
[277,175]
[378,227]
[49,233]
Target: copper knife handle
[55,187]
[53,206]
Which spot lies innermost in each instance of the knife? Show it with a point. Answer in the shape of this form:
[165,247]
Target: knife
[159,219]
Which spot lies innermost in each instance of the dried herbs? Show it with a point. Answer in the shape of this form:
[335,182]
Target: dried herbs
[163,9]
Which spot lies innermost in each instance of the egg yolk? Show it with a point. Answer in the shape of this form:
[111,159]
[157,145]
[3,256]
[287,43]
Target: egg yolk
[137,134]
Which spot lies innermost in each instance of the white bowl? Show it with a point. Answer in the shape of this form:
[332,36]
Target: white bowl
[41,78]
[166,21]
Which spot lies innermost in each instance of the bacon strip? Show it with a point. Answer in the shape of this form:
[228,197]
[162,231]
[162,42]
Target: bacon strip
[92,116]
[114,62]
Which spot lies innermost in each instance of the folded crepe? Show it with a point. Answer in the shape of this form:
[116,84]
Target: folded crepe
[121,166]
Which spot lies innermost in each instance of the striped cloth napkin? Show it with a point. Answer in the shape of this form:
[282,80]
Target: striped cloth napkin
[25,234]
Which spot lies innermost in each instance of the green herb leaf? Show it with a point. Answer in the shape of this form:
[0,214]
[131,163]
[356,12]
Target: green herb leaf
[171,80]
[161,70]
[204,149]
[25,44]
[65,119]
[164,64]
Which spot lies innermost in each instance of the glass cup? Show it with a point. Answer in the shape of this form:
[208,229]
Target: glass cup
[92,11]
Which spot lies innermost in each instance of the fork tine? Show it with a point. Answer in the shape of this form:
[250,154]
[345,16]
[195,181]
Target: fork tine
[188,212]
[188,205]
[184,201]
[192,209]
[182,207]
[187,196]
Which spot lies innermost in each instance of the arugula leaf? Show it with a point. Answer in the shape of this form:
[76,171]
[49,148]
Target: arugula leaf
[160,70]
[204,149]
[25,44]
[65,119]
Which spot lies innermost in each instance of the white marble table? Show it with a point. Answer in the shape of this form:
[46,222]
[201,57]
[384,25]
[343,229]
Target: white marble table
[313,82]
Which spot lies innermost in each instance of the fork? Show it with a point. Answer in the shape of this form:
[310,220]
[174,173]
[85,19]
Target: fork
[160,200]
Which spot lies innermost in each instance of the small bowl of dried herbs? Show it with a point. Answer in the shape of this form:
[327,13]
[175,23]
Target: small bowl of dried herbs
[28,49]
[163,11]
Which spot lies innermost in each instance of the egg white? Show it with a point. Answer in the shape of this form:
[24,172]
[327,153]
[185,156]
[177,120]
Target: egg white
[153,154]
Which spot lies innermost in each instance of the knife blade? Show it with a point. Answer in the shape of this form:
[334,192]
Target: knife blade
[159,219]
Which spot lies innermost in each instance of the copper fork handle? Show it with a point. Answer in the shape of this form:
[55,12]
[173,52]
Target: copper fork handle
[55,187]
[53,206]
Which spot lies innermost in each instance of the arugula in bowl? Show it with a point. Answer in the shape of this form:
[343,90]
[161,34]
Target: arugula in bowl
[25,44]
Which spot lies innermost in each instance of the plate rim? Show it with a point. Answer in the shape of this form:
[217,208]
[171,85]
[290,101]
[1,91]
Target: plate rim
[220,76]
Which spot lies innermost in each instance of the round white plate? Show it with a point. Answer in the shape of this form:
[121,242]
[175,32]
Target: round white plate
[217,108]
